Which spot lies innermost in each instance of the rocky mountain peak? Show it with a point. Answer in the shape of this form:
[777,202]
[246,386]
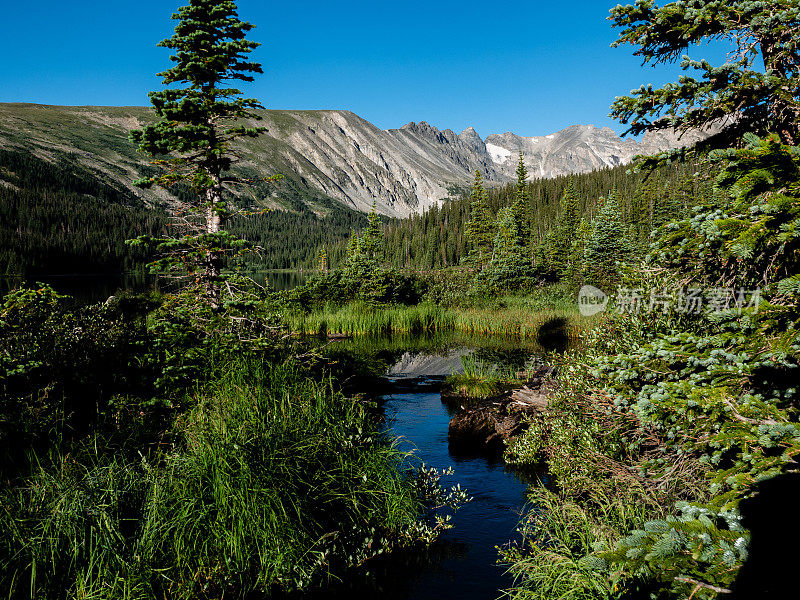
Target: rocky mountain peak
[470,138]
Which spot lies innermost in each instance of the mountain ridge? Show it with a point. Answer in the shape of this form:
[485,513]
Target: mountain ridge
[328,154]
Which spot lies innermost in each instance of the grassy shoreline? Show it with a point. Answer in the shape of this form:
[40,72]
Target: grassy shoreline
[513,317]
[227,469]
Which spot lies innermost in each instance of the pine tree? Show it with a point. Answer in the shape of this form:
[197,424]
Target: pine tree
[510,266]
[199,120]
[479,229]
[564,233]
[372,238]
[574,266]
[353,247]
[606,245]
[521,206]
[761,100]
[506,240]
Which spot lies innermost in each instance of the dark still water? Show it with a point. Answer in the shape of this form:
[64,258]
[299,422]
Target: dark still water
[88,289]
[467,568]
[462,564]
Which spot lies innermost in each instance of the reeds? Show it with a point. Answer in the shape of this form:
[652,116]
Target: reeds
[362,319]
[480,379]
[514,319]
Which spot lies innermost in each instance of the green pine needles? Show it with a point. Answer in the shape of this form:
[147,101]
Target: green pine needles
[740,95]
[607,245]
[521,206]
[199,120]
[479,230]
[683,414]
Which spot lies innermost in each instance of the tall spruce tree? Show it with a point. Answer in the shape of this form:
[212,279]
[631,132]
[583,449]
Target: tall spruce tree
[353,247]
[506,240]
[510,266]
[564,231]
[767,100]
[372,238]
[574,267]
[199,119]
[521,206]
[607,245]
[480,227]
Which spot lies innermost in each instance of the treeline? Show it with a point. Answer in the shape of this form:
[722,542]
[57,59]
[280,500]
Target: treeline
[62,218]
[437,238]
[289,240]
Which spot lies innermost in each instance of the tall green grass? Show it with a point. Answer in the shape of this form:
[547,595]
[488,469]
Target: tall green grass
[480,379]
[551,561]
[516,317]
[274,482]
[359,318]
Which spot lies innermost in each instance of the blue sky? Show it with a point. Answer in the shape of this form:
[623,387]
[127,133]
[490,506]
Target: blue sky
[531,67]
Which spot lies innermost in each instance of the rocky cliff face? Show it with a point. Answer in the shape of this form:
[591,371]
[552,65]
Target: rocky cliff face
[332,153]
[400,170]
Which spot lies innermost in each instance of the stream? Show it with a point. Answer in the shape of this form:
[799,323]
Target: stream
[469,571]
[463,562]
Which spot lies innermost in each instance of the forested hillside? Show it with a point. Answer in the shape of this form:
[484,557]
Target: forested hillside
[647,199]
[61,217]
[65,218]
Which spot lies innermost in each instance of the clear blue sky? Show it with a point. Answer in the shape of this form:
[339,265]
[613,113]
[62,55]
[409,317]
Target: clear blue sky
[531,67]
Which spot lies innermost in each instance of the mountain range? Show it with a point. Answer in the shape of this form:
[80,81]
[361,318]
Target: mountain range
[329,155]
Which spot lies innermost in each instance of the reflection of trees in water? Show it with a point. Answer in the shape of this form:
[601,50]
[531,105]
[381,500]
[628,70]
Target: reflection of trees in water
[503,351]
[370,357]
[430,572]
[507,358]
[84,289]
[90,288]
[280,280]
[553,335]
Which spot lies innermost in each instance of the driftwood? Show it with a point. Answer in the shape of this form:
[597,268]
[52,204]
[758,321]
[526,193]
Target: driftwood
[487,425]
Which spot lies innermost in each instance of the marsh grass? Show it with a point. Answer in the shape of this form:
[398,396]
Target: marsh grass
[551,561]
[480,379]
[275,482]
[515,317]
[359,318]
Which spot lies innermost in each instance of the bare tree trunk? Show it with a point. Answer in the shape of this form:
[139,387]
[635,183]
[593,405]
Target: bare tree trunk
[213,259]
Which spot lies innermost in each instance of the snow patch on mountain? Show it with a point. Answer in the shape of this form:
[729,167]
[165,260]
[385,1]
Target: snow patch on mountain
[499,155]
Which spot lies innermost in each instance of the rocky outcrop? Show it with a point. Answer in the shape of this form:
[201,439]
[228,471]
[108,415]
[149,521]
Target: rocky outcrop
[488,425]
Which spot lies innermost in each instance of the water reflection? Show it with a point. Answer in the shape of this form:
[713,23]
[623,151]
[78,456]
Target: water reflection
[84,289]
[91,288]
[281,280]
[463,562]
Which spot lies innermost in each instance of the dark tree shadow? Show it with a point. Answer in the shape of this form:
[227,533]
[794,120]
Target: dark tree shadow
[771,569]
[552,335]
